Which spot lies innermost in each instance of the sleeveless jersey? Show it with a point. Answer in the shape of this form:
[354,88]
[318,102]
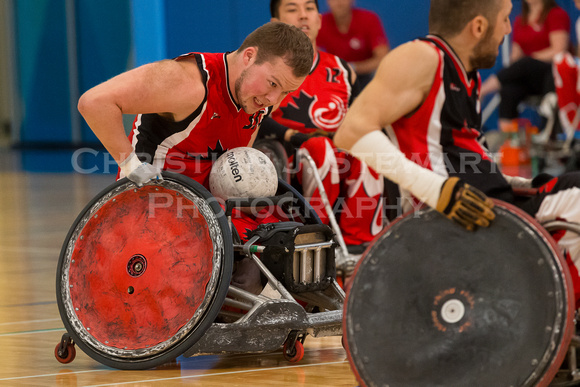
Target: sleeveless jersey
[444,133]
[191,146]
[322,100]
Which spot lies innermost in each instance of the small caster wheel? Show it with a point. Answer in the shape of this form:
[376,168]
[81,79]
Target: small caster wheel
[293,353]
[65,352]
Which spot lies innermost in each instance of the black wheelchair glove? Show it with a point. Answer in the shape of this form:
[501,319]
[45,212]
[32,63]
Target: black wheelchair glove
[297,139]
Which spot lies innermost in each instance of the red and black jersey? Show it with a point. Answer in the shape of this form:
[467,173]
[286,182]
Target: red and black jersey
[191,146]
[444,134]
[322,100]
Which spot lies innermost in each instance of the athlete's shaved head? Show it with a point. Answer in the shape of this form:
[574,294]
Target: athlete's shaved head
[277,39]
[447,18]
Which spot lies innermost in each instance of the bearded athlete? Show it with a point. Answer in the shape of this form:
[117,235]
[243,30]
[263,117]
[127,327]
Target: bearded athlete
[434,116]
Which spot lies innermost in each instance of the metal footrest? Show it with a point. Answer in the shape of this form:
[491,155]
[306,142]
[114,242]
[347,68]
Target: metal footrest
[266,329]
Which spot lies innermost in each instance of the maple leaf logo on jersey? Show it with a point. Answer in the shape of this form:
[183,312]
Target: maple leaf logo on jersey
[297,110]
[313,115]
[212,154]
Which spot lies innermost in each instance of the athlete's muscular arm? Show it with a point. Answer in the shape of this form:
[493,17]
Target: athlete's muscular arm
[401,84]
[171,88]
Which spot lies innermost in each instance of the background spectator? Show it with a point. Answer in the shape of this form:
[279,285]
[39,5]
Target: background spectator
[354,34]
[540,32]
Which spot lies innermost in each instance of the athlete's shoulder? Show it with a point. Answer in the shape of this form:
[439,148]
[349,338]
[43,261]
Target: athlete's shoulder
[410,68]
[416,51]
[331,59]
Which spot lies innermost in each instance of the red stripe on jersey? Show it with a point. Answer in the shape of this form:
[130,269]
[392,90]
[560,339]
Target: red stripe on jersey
[456,62]
[425,123]
[466,138]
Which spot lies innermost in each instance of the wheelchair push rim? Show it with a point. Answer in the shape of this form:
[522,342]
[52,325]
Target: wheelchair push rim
[144,271]
[433,304]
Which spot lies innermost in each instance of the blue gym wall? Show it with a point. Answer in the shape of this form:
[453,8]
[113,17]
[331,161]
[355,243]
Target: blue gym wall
[221,25]
[115,35]
[43,70]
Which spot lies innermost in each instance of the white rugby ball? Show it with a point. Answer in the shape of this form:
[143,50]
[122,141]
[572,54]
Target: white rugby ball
[243,173]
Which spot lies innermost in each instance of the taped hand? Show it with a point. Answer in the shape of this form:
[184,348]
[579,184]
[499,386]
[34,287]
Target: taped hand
[139,172]
[143,173]
[465,204]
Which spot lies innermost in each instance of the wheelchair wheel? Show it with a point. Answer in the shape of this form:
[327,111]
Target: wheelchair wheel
[143,272]
[432,304]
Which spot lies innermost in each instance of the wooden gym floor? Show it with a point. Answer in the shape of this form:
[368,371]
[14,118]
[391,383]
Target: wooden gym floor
[36,211]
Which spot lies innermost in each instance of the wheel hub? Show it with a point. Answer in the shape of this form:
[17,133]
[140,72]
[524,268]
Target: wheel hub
[137,265]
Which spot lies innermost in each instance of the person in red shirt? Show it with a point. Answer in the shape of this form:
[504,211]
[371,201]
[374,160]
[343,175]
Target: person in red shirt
[539,33]
[354,34]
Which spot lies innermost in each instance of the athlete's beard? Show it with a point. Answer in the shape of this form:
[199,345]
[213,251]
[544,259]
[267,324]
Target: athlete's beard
[238,91]
[484,53]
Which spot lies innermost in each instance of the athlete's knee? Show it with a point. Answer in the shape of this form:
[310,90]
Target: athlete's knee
[319,148]
[321,152]
[565,181]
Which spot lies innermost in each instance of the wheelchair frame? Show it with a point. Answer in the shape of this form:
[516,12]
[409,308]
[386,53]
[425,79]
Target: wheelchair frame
[274,318]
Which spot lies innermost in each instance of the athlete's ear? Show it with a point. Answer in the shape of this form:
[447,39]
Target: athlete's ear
[250,55]
[479,26]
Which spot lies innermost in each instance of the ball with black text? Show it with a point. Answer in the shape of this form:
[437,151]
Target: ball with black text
[243,173]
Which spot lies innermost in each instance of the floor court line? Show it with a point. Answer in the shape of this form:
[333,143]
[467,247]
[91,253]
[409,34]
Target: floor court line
[219,374]
[180,377]
[31,332]
[50,375]
[29,321]
[28,304]
[30,250]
